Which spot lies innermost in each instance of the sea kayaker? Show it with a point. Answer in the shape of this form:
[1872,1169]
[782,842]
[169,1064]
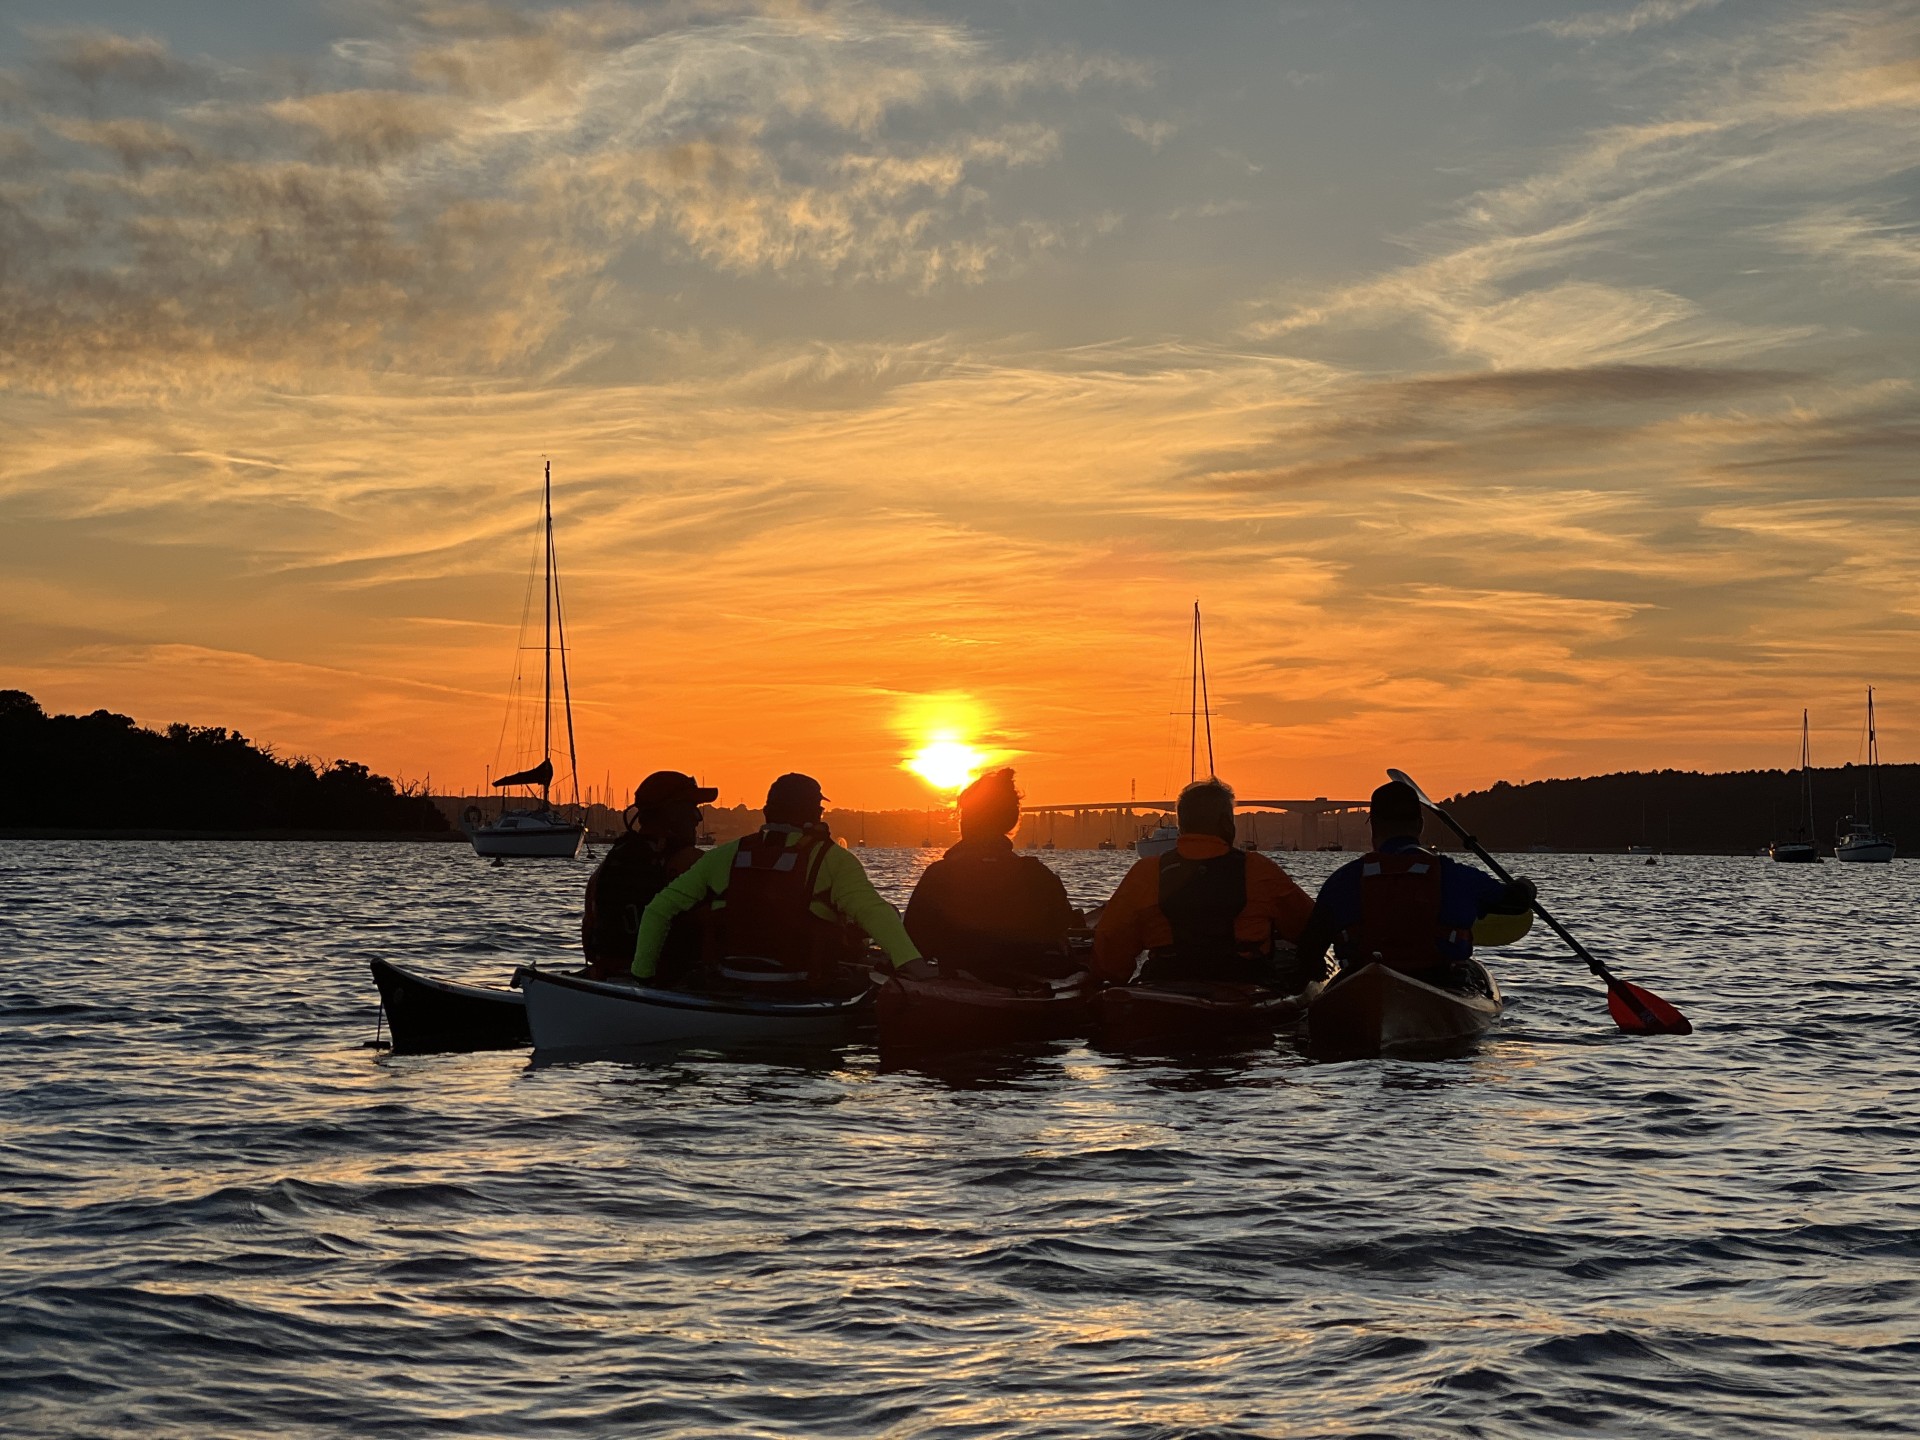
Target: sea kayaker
[657,846]
[986,909]
[788,895]
[1203,910]
[1402,904]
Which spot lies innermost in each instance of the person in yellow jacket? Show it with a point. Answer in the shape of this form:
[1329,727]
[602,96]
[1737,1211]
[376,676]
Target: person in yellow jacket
[787,895]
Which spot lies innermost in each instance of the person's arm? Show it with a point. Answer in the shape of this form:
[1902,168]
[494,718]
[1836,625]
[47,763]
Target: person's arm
[680,895]
[1315,939]
[1283,902]
[853,895]
[1117,938]
[1051,912]
[1333,911]
[1494,896]
[926,917]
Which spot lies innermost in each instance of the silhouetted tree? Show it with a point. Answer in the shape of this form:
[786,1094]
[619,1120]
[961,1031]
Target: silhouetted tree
[103,772]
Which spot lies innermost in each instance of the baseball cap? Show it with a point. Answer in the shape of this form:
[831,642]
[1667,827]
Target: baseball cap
[670,787]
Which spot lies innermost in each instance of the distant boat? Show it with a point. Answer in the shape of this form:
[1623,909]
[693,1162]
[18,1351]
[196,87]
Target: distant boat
[1641,850]
[1862,841]
[1106,844]
[542,831]
[1801,851]
[1163,838]
[1157,841]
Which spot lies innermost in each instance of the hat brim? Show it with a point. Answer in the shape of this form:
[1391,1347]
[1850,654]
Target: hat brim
[706,794]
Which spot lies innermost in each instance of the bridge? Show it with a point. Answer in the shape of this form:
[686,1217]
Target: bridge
[1319,805]
[1310,811]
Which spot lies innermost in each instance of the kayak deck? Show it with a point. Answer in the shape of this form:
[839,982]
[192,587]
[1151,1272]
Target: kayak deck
[569,1012]
[1378,1010]
[962,1012]
[1198,1013]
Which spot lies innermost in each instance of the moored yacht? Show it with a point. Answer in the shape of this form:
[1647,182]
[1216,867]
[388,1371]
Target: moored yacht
[1861,840]
[1801,850]
[542,831]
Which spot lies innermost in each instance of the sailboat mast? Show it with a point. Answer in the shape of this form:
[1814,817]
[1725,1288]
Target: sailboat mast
[1806,771]
[1206,701]
[1873,764]
[546,689]
[566,685]
[1193,698]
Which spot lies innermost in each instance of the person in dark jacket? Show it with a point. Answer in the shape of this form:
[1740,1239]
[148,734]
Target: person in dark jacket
[658,845]
[985,909]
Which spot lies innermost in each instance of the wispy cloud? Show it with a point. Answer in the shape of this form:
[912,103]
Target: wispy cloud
[452,194]
[1610,24]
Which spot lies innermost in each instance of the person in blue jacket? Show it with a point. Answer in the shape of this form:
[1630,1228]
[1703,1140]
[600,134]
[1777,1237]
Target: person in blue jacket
[1402,904]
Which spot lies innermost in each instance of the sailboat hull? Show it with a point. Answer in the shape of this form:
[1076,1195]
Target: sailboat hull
[1794,853]
[528,837]
[1868,852]
[1162,840]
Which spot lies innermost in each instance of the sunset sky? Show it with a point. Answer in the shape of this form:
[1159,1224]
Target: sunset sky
[1522,389]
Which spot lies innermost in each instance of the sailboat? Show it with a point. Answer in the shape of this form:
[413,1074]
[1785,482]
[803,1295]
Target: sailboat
[541,831]
[1163,838]
[1858,841]
[1801,851]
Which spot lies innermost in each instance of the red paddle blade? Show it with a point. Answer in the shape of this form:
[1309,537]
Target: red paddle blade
[1641,1012]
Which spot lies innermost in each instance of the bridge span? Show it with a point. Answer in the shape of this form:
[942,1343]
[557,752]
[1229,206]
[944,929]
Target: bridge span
[1319,805]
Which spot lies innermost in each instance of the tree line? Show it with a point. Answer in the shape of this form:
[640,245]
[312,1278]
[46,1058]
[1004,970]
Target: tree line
[1680,810]
[104,772]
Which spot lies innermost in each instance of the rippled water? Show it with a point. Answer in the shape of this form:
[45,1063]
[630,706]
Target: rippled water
[222,1214]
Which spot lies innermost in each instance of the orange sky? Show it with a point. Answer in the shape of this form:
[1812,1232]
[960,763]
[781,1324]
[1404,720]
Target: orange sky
[1517,397]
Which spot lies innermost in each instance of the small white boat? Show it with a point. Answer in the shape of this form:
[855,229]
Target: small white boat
[567,1012]
[1860,841]
[528,833]
[1158,841]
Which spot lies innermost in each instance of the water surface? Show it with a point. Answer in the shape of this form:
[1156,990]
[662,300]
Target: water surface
[221,1213]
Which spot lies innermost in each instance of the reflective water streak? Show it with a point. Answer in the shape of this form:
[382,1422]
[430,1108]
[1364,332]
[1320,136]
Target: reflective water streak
[221,1213]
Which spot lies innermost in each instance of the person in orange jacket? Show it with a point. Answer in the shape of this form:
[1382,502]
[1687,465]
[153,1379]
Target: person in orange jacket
[1203,910]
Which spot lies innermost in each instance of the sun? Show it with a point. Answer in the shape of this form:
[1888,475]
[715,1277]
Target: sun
[946,763]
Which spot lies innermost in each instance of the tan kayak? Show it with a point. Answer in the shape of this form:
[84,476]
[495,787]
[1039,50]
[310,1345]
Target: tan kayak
[1382,1011]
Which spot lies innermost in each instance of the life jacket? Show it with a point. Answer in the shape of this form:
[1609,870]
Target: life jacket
[1201,900]
[633,872]
[767,911]
[1401,923]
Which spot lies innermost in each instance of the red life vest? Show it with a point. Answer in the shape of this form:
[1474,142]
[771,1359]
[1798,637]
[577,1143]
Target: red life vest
[1401,923]
[768,910]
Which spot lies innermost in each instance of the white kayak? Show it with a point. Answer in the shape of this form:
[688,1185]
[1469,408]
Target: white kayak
[567,1012]
[1382,1011]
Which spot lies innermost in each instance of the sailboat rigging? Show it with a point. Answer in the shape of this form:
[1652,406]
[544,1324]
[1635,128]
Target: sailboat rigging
[1199,710]
[1801,851]
[541,831]
[1861,841]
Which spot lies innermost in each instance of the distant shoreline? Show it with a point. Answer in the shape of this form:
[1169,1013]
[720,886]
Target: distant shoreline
[403,837]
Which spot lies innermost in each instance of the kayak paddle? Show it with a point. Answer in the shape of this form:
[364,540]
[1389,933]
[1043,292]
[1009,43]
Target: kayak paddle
[1637,1011]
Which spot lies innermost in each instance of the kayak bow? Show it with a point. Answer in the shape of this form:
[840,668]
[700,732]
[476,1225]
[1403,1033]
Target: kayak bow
[429,1016]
